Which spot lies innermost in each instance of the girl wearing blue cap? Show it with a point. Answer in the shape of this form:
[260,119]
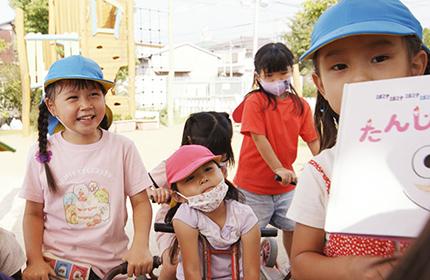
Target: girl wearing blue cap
[353,41]
[77,182]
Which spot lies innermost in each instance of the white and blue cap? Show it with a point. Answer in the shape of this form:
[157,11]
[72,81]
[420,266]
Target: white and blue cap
[362,17]
[75,67]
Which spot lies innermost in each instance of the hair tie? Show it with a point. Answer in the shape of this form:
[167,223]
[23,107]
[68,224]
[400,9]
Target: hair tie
[44,158]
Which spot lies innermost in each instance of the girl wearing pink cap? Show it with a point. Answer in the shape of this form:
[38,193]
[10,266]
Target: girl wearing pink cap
[209,205]
[353,41]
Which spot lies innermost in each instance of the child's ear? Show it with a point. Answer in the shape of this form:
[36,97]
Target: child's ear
[51,106]
[419,63]
[177,197]
[318,83]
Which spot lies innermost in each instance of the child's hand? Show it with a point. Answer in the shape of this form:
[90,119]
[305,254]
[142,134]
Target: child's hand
[370,268]
[159,195]
[286,175]
[39,270]
[139,261]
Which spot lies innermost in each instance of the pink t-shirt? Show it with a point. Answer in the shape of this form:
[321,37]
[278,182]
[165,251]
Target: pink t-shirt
[85,218]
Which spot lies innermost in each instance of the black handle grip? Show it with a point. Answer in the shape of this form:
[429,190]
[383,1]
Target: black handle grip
[279,179]
[120,269]
[269,232]
[162,227]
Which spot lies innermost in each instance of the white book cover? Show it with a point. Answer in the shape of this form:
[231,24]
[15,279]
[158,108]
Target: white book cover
[381,174]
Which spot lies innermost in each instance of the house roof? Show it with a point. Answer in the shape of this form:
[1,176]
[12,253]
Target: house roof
[186,44]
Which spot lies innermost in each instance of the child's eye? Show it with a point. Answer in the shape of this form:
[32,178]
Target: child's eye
[95,94]
[72,97]
[209,168]
[189,178]
[338,67]
[379,58]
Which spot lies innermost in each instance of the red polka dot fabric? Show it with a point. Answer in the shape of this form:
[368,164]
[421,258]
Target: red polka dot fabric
[354,245]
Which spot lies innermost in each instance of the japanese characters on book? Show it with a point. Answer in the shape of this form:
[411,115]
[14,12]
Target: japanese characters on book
[381,175]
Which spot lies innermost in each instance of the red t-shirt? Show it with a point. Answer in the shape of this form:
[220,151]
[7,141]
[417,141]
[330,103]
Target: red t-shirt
[282,127]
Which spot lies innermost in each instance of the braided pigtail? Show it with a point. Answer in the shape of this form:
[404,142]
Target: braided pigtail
[44,156]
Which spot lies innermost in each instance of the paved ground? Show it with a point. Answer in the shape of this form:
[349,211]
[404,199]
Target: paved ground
[154,145]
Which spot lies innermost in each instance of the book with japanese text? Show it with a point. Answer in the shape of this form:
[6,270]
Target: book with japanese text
[381,174]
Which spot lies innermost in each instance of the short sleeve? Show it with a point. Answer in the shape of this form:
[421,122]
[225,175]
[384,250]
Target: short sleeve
[310,199]
[307,131]
[32,186]
[245,214]
[136,177]
[12,257]
[253,116]
[187,215]
[158,175]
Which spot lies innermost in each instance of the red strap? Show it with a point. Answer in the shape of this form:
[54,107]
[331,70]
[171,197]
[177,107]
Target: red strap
[324,176]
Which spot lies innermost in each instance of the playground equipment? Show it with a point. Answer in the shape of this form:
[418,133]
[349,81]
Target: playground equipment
[102,30]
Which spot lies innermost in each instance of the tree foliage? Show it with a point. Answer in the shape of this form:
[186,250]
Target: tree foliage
[301,26]
[426,37]
[36,15]
[3,45]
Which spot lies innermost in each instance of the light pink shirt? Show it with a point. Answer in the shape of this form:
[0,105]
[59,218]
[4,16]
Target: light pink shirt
[85,218]
[240,219]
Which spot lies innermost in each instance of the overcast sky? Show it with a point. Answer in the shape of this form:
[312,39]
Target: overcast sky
[220,20]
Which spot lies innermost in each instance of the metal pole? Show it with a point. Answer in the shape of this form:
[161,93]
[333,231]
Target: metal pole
[171,75]
[255,37]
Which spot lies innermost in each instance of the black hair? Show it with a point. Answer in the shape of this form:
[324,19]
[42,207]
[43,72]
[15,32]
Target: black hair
[326,120]
[51,91]
[275,57]
[232,193]
[211,129]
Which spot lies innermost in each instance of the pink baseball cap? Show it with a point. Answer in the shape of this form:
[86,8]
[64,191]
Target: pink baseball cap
[186,160]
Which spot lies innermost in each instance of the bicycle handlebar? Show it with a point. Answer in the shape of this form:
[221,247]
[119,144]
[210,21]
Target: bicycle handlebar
[122,268]
[279,179]
[163,227]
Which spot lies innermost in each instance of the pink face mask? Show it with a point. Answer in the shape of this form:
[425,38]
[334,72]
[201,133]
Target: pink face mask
[276,88]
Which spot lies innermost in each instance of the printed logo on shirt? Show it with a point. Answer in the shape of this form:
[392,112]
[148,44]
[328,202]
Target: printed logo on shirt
[87,205]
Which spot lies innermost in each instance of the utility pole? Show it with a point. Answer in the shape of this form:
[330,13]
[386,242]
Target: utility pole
[255,37]
[171,75]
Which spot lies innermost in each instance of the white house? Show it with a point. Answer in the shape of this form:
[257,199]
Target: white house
[189,61]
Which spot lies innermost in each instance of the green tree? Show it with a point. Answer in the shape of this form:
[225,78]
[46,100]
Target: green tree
[36,15]
[426,37]
[301,27]
[3,45]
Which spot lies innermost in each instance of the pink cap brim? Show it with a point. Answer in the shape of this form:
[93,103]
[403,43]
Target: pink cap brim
[191,167]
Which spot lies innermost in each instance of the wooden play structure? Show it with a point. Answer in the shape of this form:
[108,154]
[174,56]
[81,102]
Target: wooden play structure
[102,30]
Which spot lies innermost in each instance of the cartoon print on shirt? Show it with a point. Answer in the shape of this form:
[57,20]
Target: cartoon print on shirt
[87,205]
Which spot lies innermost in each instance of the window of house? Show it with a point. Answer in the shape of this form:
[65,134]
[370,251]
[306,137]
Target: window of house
[106,15]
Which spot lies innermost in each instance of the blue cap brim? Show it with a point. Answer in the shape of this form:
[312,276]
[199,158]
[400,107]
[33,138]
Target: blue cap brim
[362,28]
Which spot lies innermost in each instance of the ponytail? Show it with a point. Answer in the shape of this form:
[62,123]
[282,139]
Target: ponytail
[44,156]
[326,121]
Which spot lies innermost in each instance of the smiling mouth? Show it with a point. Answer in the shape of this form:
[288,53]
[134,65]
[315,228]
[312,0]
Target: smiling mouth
[425,188]
[85,118]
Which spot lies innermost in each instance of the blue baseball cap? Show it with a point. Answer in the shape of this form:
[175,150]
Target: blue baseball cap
[75,67]
[361,17]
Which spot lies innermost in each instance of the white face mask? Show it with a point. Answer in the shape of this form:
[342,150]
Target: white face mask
[208,201]
[276,88]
